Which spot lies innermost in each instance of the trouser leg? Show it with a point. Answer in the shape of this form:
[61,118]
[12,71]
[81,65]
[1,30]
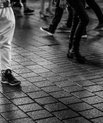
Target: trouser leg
[83,21]
[57,18]
[96,9]
[6,36]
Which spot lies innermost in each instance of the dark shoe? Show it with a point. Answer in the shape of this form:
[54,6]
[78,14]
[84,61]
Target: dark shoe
[47,30]
[28,11]
[100,25]
[76,56]
[8,78]
[80,59]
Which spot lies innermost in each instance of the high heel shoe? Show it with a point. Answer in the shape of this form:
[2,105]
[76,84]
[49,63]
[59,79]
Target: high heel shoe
[42,15]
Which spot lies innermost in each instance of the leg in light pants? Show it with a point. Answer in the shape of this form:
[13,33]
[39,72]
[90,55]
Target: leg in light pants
[7,27]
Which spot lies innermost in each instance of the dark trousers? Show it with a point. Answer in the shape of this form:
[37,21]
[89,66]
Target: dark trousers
[58,15]
[93,5]
[80,21]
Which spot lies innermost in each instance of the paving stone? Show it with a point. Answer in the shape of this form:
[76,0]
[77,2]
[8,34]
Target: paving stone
[46,100]
[100,94]
[55,107]
[93,100]
[84,83]
[12,115]
[71,89]
[99,106]
[30,88]
[21,101]
[49,120]
[80,106]
[92,113]
[8,107]
[98,120]
[64,114]
[4,100]
[77,120]
[51,89]
[65,83]
[30,107]
[83,94]
[35,79]
[70,100]
[94,88]
[43,84]
[25,75]
[41,114]
[24,120]
[2,120]
[60,94]
[38,94]
[14,95]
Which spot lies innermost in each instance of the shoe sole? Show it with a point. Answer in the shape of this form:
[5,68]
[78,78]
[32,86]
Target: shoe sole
[46,31]
[5,82]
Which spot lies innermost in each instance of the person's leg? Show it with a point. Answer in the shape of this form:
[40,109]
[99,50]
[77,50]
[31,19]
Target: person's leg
[6,36]
[27,10]
[93,5]
[48,9]
[56,19]
[83,21]
[70,16]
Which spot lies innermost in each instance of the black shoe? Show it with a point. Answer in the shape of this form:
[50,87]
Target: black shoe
[8,78]
[47,30]
[76,56]
[80,59]
[28,11]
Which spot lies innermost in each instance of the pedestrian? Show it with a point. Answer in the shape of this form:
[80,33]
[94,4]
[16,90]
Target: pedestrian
[7,27]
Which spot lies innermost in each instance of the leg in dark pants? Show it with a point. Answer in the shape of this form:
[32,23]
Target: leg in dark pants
[80,26]
[93,5]
[70,16]
[55,21]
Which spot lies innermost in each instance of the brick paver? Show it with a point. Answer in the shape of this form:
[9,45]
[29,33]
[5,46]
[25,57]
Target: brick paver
[53,88]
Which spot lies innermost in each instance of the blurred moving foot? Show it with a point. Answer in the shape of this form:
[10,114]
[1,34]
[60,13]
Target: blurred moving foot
[47,30]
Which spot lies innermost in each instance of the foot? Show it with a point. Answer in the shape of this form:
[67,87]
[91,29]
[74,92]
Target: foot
[47,30]
[76,56]
[28,11]
[8,78]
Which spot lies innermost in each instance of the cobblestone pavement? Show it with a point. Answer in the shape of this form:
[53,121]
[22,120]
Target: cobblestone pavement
[53,88]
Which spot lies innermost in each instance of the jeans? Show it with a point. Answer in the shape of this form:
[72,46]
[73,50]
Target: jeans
[80,21]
